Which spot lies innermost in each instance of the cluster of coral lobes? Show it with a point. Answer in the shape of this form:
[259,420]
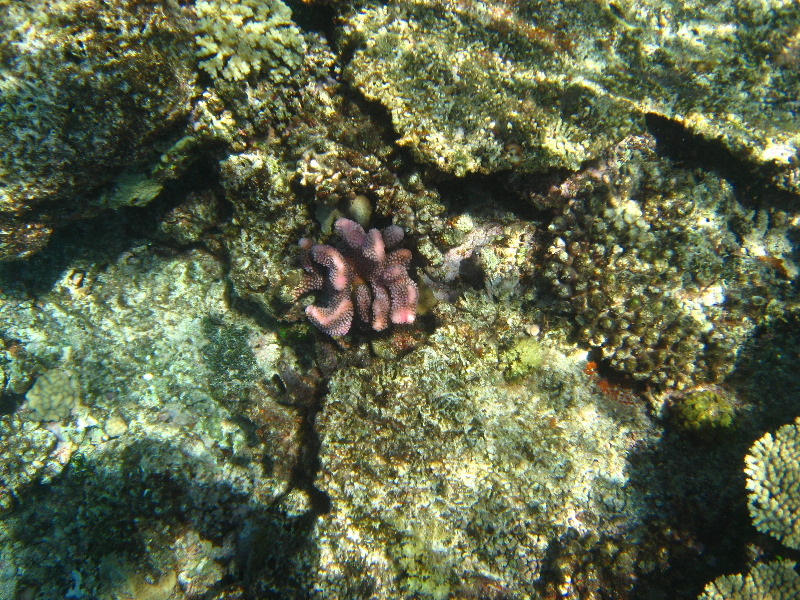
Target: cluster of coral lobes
[537,340]
[361,279]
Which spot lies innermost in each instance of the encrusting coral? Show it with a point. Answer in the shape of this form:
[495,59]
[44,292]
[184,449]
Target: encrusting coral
[361,279]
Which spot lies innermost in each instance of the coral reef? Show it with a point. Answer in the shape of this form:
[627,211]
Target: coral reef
[576,78]
[660,266]
[366,278]
[773,478]
[29,455]
[77,116]
[514,445]
[776,580]
[163,444]
[237,38]
[496,471]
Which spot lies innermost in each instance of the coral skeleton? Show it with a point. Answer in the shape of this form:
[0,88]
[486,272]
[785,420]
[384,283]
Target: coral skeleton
[366,278]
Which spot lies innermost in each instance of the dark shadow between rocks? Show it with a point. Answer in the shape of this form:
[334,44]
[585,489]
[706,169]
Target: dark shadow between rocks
[705,525]
[108,527]
[98,240]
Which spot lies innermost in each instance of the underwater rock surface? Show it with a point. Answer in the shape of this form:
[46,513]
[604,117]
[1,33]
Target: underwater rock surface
[496,470]
[607,317]
[76,115]
[154,453]
[478,86]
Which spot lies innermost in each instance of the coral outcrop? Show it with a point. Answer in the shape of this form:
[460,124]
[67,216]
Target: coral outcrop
[86,90]
[367,278]
[496,471]
[162,395]
[664,272]
[773,478]
[482,85]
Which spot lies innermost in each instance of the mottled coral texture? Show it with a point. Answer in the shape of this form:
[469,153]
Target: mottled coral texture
[362,279]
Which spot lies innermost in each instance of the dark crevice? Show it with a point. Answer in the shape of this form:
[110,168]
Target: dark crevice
[691,150]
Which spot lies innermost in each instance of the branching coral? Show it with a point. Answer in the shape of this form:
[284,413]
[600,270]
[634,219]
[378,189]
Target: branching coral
[239,37]
[360,279]
[767,580]
[773,478]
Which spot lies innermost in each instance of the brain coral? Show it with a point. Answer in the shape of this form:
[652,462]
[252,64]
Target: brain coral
[773,478]
[767,581]
[52,396]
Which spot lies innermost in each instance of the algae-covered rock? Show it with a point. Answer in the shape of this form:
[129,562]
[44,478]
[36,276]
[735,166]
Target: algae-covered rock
[178,435]
[484,86]
[704,410]
[496,471]
[86,88]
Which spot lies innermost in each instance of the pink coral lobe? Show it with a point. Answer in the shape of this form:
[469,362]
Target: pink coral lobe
[331,258]
[351,232]
[381,306]
[392,236]
[335,320]
[404,302]
[373,248]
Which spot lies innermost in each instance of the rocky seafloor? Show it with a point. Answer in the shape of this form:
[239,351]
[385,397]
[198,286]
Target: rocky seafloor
[596,399]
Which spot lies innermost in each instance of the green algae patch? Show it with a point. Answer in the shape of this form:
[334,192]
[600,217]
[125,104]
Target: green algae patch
[705,410]
[525,356]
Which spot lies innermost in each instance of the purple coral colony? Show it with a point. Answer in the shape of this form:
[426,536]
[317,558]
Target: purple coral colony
[362,279]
